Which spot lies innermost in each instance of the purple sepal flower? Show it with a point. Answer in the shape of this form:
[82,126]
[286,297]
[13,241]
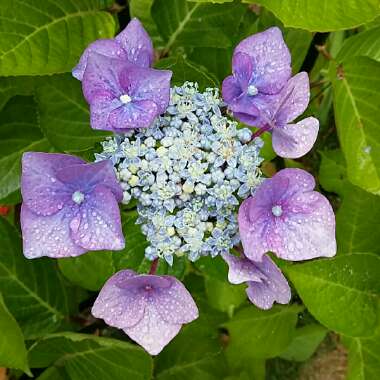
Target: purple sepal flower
[287,217]
[291,140]
[266,283]
[261,68]
[69,206]
[122,95]
[150,309]
[132,44]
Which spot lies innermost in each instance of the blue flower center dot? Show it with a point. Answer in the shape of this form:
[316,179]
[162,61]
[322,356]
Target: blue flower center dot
[252,90]
[277,210]
[125,98]
[78,197]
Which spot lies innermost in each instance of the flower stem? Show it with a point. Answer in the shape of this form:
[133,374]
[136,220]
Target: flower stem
[153,267]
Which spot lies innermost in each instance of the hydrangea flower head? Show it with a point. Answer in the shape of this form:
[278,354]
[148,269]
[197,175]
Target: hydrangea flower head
[287,217]
[133,44]
[69,206]
[150,309]
[261,68]
[188,172]
[122,95]
[291,140]
[266,283]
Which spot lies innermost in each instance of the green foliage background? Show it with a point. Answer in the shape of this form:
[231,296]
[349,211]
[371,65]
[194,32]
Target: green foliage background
[45,323]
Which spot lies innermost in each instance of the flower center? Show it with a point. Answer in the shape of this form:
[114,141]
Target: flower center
[252,90]
[125,98]
[78,197]
[277,210]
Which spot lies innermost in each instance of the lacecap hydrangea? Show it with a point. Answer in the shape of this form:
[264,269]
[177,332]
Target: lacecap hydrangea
[188,173]
[194,174]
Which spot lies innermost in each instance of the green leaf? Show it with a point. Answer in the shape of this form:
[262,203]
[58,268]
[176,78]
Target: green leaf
[182,23]
[11,86]
[362,44]
[47,37]
[323,15]
[12,346]
[333,173]
[256,333]
[342,293]
[224,296]
[19,133]
[65,115]
[356,84]
[363,358]
[195,353]
[88,357]
[185,70]
[32,289]
[305,342]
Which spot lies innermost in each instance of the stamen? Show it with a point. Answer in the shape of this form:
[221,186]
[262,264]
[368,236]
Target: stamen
[125,98]
[252,90]
[78,197]
[277,210]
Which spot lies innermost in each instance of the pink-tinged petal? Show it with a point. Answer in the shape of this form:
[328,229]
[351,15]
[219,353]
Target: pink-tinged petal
[242,69]
[41,191]
[175,305]
[101,79]
[139,114]
[98,226]
[230,89]
[153,333]
[86,176]
[100,112]
[147,84]
[136,43]
[107,47]
[307,232]
[293,99]
[48,235]
[298,181]
[274,288]
[242,270]
[271,59]
[295,140]
[117,306]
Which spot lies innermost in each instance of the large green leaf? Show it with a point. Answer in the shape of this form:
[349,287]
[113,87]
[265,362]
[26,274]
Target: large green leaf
[356,84]
[45,37]
[19,133]
[11,86]
[32,289]
[359,211]
[182,23]
[196,351]
[65,115]
[12,346]
[88,357]
[322,15]
[363,358]
[362,44]
[342,293]
[256,333]
[185,70]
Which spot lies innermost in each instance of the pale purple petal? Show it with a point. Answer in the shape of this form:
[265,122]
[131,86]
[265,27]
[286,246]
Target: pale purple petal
[274,288]
[242,69]
[100,112]
[139,114]
[48,235]
[295,140]
[293,99]
[98,226]
[271,59]
[230,89]
[119,307]
[241,269]
[42,192]
[107,47]
[175,305]
[153,333]
[136,43]
[147,84]
[304,227]
[86,176]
